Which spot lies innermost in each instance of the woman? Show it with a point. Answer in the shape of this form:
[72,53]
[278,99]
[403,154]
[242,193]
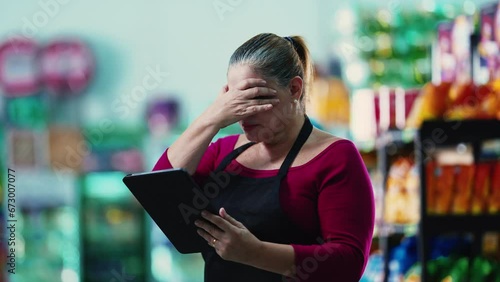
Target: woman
[298,204]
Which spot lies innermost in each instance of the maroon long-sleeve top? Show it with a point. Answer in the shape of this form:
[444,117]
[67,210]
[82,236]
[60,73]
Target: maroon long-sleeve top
[329,197]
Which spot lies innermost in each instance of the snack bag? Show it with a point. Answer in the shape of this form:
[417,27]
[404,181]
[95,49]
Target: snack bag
[463,189]
[481,188]
[444,189]
[398,207]
[494,198]
[430,104]
[430,183]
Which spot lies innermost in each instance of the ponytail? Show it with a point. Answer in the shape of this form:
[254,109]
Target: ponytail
[305,58]
[275,57]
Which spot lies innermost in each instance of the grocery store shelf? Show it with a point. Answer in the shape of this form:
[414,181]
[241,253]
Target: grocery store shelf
[442,133]
[395,137]
[365,146]
[461,223]
[388,229]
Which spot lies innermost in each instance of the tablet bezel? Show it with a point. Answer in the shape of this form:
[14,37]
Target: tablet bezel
[148,187]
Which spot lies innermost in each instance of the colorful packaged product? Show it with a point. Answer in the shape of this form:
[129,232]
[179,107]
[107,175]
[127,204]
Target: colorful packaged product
[494,198]
[463,189]
[402,193]
[481,188]
[430,169]
[445,177]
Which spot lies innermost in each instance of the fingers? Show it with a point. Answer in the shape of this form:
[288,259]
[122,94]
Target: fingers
[218,221]
[249,96]
[271,101]
[209,238]
[260,104]
[254,88]
[259,92]
[250,83]
[252,110]
[226,216]
[212,230]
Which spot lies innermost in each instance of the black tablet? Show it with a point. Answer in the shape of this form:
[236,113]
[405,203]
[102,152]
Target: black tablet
[174,201]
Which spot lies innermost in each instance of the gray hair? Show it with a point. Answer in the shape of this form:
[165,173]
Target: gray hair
[276,57]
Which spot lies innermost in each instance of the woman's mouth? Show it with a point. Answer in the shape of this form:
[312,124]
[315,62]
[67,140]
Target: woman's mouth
[248,127]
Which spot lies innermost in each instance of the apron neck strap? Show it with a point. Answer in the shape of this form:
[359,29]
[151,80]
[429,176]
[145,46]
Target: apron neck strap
[304,133]
[231,156]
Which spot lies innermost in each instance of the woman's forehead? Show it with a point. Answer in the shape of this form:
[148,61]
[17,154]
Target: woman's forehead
[239,72]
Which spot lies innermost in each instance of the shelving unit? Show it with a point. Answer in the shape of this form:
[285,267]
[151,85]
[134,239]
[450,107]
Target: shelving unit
[391,144]
[435,134]
[423,142]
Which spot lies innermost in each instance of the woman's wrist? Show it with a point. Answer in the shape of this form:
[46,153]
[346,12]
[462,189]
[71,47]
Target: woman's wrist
[207,120]
[257,252]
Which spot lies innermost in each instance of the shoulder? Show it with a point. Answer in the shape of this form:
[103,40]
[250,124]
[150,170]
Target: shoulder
[223,145]
[226,141]
[340,166]
[333,155]
[325,143]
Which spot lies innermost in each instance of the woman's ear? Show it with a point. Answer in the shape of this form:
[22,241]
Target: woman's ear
[296,85]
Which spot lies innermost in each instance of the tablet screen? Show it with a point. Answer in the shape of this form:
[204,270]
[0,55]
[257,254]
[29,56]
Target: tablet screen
[174,201]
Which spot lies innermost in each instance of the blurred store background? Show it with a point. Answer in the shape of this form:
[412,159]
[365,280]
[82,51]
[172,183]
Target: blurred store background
[93,90]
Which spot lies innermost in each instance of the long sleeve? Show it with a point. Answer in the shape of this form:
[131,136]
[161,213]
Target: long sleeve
[330,197]
[212,156]
[346,209]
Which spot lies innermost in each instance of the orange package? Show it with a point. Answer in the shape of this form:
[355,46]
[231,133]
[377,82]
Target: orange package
[397,196]
[494,199]
[444,189]
[463,189]
[488,102]
[458,97]
[430,183]
[430,104]
[495,85]
[481,188]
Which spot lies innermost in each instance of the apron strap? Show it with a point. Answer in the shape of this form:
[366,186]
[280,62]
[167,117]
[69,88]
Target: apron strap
[232,156]
[304,133]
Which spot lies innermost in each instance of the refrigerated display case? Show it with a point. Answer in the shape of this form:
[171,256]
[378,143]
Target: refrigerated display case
[113,230]
[47,227]
[167,264]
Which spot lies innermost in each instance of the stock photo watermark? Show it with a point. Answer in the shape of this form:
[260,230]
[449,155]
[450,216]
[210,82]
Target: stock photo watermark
[201,200]
[222,7]
[220,180]
[122,106]
[47,11]
[121,276]
[310,264]
[11,221]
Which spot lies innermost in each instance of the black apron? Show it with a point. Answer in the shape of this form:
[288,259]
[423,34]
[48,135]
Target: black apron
[255,202]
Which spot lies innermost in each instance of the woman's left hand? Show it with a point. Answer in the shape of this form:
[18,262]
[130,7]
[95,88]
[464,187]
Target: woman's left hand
[230,238]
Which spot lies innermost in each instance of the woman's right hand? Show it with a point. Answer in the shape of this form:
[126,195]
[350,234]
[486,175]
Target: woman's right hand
[248,97]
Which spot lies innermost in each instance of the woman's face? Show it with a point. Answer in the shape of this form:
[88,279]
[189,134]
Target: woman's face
[266,125]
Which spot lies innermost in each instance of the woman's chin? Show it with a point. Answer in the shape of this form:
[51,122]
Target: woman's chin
[251,136]
[258,136]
